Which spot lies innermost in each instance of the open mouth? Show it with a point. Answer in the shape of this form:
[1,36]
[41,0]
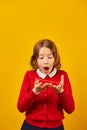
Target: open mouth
[46,68]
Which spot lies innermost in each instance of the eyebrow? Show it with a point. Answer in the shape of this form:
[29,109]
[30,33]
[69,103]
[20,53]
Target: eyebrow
[47,54]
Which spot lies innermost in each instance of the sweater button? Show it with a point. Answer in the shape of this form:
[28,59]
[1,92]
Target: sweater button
[45,105]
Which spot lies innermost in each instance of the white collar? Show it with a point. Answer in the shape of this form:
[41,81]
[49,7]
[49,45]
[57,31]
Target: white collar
[42,75]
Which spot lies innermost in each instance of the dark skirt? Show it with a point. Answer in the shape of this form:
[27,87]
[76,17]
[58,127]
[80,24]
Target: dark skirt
[27,126]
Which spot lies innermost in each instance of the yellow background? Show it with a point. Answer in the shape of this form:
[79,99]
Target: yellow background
[22,24]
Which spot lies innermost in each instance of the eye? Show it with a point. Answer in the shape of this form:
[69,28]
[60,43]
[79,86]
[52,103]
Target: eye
[50,56]
[40,57]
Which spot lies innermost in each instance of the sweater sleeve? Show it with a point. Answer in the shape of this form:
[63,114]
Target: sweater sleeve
[66,98]
[26,96]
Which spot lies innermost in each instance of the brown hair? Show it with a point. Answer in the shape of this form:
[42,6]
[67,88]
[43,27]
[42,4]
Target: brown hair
[49,44]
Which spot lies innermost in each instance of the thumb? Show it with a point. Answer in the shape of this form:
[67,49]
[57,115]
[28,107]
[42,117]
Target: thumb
[62,80]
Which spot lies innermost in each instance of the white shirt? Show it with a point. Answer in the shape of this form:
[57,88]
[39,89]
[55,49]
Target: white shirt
[42,75]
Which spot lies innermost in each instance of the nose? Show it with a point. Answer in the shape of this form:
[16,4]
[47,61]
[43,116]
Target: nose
[45,61]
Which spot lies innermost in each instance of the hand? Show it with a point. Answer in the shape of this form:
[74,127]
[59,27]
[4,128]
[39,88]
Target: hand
[39,86]
[59,88]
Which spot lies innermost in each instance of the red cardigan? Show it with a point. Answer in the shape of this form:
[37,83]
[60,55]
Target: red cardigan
[45,109]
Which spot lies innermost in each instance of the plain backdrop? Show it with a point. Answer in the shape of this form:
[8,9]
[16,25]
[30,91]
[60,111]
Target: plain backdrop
[22,24]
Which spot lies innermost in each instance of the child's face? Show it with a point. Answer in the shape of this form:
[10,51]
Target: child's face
[45,60]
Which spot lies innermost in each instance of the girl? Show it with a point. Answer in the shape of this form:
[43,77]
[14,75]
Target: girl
[46,90]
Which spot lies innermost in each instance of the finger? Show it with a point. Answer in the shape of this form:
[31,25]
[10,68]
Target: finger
[36,81]
[45,85]
[62,80]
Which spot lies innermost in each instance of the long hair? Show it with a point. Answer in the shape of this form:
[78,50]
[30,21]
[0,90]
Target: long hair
[49,44]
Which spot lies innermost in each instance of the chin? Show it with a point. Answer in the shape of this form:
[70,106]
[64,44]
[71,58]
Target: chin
[47,73]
